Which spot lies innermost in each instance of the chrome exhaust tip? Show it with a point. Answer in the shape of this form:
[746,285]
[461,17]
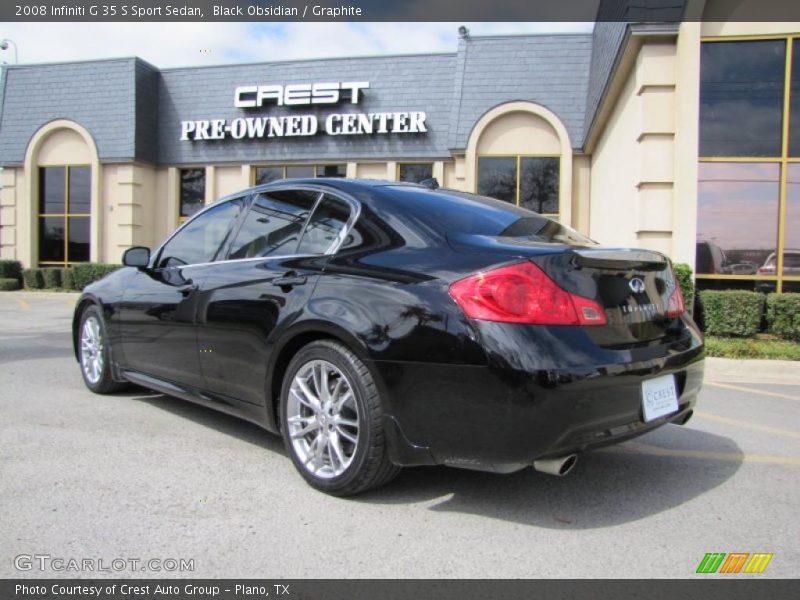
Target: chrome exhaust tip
[559,466]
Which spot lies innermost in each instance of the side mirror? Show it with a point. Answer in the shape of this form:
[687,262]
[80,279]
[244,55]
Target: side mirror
[137,256]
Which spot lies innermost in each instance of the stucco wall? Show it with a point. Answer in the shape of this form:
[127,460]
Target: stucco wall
[633,164]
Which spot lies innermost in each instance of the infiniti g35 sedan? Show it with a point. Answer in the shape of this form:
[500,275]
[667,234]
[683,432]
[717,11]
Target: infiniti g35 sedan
[377,325]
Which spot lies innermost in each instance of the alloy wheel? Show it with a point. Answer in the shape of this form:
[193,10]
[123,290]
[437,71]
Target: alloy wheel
[92,350]
[322,418]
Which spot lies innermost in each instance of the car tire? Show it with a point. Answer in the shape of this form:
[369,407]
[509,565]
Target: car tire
[94,353]
[319,435]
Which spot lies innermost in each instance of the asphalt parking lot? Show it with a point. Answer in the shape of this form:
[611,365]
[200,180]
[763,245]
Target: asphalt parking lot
[142,475]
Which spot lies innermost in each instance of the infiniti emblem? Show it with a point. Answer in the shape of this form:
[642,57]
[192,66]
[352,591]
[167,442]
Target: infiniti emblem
[636,285]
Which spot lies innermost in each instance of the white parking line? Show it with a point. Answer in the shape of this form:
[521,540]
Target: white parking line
[746,425]
[753,391]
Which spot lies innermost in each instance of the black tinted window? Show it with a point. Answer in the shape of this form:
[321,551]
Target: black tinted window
[51,190]
[273,224]
[741,98]
[80,190]
[794,118]
[415,173]
[497,177]
[201,238]
[453,212]
[327,222]
[331,170]
[538,184]
[193,191]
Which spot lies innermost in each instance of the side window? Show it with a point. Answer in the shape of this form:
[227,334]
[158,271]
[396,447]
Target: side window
[199,241]
[273,224]
[325,225]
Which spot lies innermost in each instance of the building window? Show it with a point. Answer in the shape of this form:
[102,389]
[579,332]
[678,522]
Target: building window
[332,171]
[300,171]
[269,173]
[192,191]
[414,172]
[748,213]
[737,217]
[528,181]
[741,98]
[64,215]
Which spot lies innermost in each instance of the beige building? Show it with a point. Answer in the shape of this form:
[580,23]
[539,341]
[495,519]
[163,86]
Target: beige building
[680,137]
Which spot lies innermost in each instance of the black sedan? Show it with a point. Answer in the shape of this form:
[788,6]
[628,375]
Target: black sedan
[377,325]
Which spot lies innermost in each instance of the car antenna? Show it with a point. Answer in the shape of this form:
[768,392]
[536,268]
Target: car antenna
[430,183]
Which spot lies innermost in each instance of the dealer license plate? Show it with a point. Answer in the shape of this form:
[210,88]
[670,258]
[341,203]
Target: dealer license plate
[659,397]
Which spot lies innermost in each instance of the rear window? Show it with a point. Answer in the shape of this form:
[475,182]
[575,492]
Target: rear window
[452,212]
[791,260]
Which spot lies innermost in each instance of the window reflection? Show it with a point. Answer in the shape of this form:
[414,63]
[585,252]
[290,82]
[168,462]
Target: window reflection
[268,174]
[538,187]
[791,231]
[497,178]
[741,98]
[416,172]
[794,119]
[192,191]
[737,217]
[273,224]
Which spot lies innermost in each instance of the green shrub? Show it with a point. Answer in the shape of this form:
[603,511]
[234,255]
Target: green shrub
[728,347]
[11,269]
[85,273]
[8,284]
[684,274]
[67,280]
[52,277]
[33,278]
[732,312]
[783,315]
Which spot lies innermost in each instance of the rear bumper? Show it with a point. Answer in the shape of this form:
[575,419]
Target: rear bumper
[501,417]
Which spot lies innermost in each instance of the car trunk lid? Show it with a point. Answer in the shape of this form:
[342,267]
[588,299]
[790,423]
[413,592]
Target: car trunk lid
[633,286]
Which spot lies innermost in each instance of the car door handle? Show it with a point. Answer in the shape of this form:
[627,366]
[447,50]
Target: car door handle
[289,280]
[187,289]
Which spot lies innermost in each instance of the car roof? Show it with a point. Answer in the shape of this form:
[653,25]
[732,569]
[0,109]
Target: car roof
[340,183]
[336,183]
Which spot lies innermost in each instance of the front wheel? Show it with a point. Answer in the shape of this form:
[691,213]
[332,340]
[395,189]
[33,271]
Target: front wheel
[94,353]
[331,417]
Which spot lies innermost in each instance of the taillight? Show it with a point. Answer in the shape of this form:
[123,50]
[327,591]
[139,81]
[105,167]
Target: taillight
[523,293]
[768,270]
[675,306]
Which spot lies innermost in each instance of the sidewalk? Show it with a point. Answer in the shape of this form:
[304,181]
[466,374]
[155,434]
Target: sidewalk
[730,370]
[719,370]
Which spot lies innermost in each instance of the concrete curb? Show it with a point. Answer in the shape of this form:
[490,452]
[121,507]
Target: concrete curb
[730,370]
[26,295]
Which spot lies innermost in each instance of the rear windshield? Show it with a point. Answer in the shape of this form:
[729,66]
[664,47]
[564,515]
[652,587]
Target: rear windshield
[791,260]
[453,212]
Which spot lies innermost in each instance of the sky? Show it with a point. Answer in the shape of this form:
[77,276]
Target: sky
[189,44]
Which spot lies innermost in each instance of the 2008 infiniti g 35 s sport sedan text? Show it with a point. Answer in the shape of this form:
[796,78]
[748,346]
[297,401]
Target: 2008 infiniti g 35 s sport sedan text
[377,325]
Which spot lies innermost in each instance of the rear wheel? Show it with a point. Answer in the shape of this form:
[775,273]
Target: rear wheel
[331,417]
[94,353]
